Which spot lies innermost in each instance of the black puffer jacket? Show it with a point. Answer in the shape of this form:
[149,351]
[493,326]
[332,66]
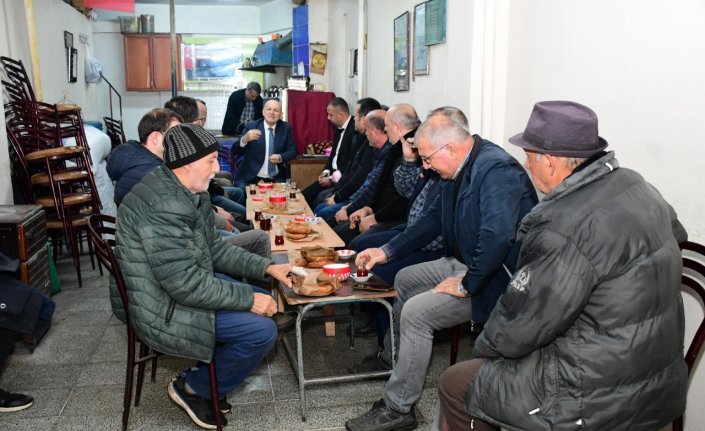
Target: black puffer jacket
[590,332]
[127,164]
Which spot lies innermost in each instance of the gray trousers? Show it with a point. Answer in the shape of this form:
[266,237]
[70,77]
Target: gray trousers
[255,241]
[418,311]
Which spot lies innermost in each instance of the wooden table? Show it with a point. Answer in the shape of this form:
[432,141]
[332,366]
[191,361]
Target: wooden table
[344,295]
[328,236]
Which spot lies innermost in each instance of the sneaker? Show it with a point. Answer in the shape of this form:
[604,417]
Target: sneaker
[370,364]
[199,409]
[381,417]
[10,402]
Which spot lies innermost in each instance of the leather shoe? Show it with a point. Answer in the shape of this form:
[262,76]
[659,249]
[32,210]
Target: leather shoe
[370,364]
[10,402]
[364,331]
[382,418]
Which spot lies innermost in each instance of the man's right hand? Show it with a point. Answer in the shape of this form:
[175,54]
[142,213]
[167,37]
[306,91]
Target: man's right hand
[330,200]
[324,181]
[407,150]
[342,215]
[264,305]
[251,135]
[370,257]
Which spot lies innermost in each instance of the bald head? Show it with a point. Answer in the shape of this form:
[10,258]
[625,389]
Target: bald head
[453,113]
[400,120]
[375,128]
[443,144]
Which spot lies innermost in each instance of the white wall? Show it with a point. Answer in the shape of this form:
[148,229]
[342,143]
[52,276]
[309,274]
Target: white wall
[276,17]
[448,82]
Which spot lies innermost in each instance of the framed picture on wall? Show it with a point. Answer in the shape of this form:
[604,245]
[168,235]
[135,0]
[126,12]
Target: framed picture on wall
[420,47]
[435,21]
[401,52]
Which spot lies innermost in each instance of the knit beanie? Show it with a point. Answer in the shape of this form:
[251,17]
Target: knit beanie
[186,143]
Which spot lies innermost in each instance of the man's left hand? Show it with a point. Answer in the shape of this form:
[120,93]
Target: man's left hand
[330,200]
[275,158]
[280,272]
[367,223]
[224,214]
[449,286]
[324,181]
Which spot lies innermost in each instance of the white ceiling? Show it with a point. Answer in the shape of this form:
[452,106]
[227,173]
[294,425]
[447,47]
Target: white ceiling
[209,2]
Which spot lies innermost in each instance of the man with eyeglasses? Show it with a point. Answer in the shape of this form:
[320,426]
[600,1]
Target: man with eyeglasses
[484,196]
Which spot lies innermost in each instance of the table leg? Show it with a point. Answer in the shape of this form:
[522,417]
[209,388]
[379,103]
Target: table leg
[300,361]
[329,310]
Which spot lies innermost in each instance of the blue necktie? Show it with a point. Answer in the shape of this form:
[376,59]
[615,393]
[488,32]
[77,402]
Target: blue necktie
[271,167]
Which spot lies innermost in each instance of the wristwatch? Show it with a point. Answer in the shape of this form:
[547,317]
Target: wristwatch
[461,289]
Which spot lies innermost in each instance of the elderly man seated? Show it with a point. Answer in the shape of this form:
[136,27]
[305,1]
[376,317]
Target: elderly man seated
[169,252]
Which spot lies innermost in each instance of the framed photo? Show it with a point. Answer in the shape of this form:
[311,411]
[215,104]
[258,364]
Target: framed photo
[435,21]
[401,52]
[420,47]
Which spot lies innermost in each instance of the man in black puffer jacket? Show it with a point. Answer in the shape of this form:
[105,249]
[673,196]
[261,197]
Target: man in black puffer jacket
[589,335]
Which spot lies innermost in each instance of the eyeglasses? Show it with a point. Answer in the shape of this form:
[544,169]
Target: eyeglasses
[427,159]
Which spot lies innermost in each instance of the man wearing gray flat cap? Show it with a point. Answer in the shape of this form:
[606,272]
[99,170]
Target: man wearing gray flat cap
[589,334]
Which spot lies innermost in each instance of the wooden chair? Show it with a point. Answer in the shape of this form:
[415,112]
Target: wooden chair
[475,329]
[694,279]
[101,229]
[113,128]
[18,83]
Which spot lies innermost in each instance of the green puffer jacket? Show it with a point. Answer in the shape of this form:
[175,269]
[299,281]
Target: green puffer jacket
[589,335]
[168,250]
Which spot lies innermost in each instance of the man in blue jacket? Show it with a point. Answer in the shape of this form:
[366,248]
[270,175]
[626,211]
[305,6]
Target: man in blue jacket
[484,196]
[268,144]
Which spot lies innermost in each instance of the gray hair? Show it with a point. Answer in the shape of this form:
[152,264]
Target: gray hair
[569,162]
[375,119]
[453,113]
[405,115]
[440,130]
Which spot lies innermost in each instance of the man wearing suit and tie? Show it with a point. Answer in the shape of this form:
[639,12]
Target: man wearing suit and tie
[268,144]
[342,151]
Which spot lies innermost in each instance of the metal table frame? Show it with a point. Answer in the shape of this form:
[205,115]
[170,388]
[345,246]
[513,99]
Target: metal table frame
[297,362]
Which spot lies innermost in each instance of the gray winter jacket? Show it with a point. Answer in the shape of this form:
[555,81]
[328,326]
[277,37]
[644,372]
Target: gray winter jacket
[168,250]
[589,335]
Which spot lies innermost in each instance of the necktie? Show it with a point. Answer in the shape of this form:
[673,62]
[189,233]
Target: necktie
[271,167]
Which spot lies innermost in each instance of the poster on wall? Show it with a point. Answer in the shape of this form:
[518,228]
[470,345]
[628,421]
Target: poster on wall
[401,52]
[435,20]
[420,48]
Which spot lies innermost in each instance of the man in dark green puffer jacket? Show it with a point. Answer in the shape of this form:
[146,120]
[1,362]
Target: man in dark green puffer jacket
[168,251]
[589,335]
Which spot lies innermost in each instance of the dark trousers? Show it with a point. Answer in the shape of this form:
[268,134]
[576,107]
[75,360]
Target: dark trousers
[311,193]
[7,343]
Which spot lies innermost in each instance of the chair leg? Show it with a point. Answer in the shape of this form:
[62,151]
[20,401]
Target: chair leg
[454,340]
[214,395]
[129,375]
[154,369]
[677,424]
[144,351]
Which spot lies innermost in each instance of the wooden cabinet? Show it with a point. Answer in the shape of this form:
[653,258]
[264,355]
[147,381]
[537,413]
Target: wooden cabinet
[148,62]
[306,170]
[23,236]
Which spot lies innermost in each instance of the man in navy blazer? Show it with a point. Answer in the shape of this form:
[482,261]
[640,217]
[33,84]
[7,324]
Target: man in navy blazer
[260,163]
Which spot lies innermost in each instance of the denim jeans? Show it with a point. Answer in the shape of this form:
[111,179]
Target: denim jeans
[325,211]
[242,339]
[418,311]
[228,204]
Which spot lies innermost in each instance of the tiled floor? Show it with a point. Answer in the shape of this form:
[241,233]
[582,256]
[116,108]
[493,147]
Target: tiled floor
[76,376]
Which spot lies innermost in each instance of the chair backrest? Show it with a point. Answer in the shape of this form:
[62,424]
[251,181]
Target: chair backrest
[101,229]
[18,79]
[113,128]
[694,278]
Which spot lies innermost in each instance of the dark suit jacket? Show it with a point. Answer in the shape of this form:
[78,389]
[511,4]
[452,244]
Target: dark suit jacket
[346,148]
[254,150]
[236,104]
[358,169]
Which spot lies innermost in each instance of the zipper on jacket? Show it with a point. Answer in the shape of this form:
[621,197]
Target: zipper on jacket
[170,311]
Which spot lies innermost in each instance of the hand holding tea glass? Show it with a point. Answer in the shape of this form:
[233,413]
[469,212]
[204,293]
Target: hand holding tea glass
[367,259]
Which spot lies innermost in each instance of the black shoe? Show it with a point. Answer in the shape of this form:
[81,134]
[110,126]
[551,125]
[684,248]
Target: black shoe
[199,409]
[364,331]
[369,364]
[224,406]
[382,418]
[10,402]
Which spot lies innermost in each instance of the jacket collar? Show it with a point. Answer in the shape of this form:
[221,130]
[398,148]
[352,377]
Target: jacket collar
[587,174]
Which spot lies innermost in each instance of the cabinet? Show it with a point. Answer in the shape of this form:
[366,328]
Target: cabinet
[306,170]
[148,62]
[23,236]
